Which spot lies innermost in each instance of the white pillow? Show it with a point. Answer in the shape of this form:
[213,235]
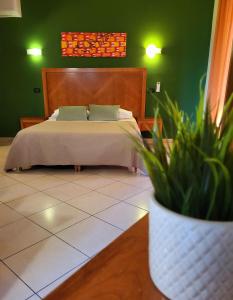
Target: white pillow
[54,116]
[124,114]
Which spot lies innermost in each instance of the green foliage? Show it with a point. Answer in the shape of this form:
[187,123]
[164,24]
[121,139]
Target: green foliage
[195,176]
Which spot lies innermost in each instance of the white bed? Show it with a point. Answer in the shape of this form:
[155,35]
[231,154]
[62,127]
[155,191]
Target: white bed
[83,142]
[74,143]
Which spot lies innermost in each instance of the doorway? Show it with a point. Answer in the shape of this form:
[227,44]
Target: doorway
[219,83]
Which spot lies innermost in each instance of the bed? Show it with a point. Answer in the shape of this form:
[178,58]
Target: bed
[81,143]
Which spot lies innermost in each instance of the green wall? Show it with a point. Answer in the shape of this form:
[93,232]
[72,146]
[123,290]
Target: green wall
[181,27]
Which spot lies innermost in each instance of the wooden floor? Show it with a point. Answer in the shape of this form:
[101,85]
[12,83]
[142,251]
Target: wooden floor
[119,272]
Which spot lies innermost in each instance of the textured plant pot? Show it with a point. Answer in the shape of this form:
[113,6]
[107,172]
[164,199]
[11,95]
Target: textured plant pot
[190,258]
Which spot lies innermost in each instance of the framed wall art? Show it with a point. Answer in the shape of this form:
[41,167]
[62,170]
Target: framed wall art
[93,44]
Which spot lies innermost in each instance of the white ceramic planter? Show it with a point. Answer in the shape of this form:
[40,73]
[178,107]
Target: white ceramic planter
[190,258]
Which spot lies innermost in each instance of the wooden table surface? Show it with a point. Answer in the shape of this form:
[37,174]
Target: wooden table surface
[119,272]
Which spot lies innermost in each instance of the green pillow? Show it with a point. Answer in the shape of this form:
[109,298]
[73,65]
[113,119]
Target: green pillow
[103,112]
[72,113]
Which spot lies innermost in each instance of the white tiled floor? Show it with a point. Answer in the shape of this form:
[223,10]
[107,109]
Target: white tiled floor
[53,220]
[34,297]
[93,182]
[45,182]
[27,177]
[122,215]
[67,191]
[33,203]
[59,217]
[90,235]
[45,291]
[15,191]
[120,191]
[44,262]
[7,215]
[11,287]
[141,200]
[18,236]
[6,181]
[89,204]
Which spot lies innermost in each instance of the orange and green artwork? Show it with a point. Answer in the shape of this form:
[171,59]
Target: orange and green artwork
[93,44]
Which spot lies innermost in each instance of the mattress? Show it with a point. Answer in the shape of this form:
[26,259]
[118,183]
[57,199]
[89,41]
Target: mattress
[75,143]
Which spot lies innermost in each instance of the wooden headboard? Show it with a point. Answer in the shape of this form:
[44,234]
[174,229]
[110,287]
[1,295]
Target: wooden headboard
[83,86]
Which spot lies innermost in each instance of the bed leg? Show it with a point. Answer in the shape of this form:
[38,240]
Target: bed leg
[77,168]
[18,169]
[133,169]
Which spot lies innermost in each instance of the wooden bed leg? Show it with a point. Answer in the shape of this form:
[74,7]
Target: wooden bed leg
[133,169]
[77,168]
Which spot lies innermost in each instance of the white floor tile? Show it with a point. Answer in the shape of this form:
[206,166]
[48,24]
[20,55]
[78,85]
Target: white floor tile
[119,190]
[137,180]
[6,181]
[19,235]
[93,181]
[58,217]
[141,200]
[92,202]
[67,191]
[26,176]
[69,174]
[47,290]
[7,215]
[45,262]
[46,182]
[31,204]
[15,191]
[11,287]
[122,215]
[90,236]
[34,297]
[115,172]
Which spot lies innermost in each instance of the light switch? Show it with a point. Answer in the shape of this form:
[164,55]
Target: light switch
[157,88]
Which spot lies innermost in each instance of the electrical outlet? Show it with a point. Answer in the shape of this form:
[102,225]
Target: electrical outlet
[36,90]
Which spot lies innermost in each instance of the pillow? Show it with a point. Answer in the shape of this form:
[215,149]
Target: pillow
[56,112]
[54,116]
[103,112]
[72,113]
[124,114]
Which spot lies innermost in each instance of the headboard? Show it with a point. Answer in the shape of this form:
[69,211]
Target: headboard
[83,86]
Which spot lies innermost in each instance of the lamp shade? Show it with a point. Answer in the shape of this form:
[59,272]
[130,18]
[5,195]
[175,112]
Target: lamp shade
[152,50]
[34,51]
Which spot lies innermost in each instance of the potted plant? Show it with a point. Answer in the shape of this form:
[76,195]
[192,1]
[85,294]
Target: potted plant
[191,214]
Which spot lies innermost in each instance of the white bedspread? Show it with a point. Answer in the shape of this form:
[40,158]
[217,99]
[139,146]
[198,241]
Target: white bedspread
[74,143]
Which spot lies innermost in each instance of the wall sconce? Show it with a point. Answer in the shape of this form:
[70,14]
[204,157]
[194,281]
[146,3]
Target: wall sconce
[152,50]
[34,52]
